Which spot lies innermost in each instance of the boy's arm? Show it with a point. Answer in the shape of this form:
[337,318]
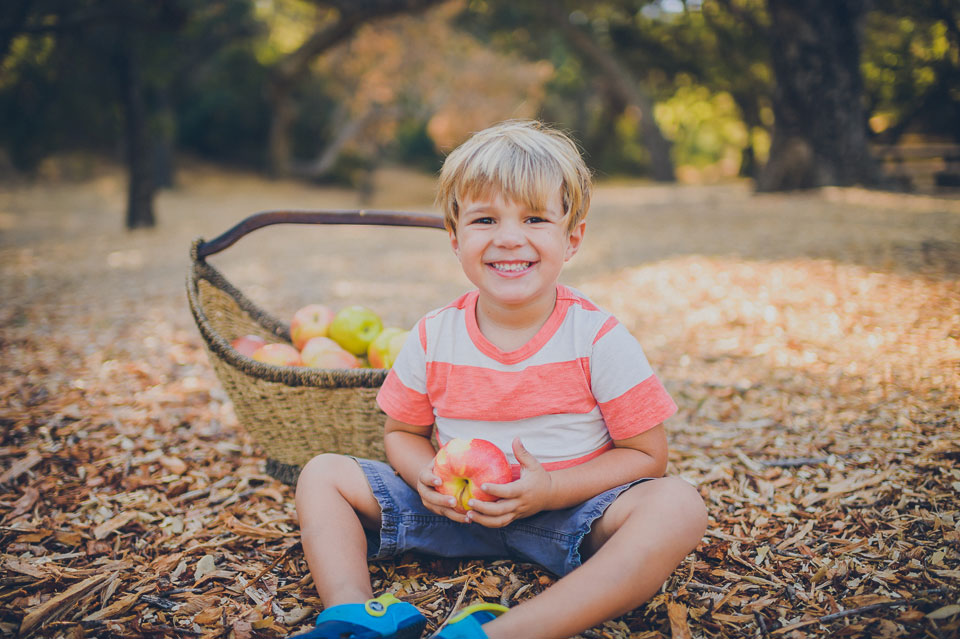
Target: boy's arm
[644,455]
[411,454]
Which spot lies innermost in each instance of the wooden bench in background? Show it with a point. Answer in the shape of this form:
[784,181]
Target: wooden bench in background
[925,167]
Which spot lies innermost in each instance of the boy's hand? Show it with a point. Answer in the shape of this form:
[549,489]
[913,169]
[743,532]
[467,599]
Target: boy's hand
[522,498]
[436,502]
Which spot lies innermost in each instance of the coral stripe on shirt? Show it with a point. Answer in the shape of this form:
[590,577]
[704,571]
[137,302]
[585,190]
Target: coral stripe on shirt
[639,409]
[404,404]
[472,392]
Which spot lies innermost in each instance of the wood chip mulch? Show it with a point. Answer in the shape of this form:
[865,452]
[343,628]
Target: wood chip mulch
[819,417]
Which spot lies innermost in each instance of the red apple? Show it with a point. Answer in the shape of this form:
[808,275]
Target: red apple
[248,344]
[312,320]
[466,464]
[278,355]
[383,351]
[323,352]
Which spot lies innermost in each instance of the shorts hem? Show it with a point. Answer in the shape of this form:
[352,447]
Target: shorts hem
[389,533]
[598,508]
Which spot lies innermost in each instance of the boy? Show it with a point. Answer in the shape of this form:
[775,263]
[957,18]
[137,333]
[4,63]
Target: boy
[559,385]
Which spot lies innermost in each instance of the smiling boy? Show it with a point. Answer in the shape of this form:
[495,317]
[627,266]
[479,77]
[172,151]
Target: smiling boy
[536,368]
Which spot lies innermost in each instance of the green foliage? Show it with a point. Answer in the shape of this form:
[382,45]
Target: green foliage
[911,68]
[705,126]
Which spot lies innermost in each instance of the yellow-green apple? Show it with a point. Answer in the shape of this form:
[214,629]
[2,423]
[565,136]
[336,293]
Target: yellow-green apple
[323,352]
[248,344]
[278,355]
[354,327]
[383,350]
[463,465]
[312,320]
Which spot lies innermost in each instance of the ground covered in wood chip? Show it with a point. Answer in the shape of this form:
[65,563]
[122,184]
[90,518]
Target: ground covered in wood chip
[811,341]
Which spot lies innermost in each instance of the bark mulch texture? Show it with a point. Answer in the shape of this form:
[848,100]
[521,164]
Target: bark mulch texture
[812,343]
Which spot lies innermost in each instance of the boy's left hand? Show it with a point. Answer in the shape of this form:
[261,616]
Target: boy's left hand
[521,498]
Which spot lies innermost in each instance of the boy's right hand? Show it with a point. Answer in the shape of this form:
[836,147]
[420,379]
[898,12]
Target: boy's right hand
[434,501]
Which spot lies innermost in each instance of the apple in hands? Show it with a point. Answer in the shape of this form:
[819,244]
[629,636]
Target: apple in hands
[248,344]
[463,465]
[310,321]
[354,328]
[278,355]
[323,352]
[383,351]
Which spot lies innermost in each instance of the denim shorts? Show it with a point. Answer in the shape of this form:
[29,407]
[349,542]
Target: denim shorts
[550,538]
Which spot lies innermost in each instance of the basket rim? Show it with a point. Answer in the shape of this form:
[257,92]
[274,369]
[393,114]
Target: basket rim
[288,375]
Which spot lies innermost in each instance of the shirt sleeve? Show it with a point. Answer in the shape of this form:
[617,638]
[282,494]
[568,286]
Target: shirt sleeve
[631,398]
[403,395]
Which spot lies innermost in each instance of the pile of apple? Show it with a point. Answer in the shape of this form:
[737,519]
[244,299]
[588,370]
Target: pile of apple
[351,338]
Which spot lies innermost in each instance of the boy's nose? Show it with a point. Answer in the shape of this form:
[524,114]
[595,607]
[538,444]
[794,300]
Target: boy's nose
[509,234]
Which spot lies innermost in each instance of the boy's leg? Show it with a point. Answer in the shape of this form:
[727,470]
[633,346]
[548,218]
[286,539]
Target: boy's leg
[334,503]
[640,539]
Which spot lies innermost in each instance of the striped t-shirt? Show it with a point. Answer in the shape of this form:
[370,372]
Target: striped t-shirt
[581,382]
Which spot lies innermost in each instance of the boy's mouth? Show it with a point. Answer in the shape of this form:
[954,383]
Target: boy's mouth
[510,267]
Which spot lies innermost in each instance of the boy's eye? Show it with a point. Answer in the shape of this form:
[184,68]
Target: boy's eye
[482,220]
[535,219]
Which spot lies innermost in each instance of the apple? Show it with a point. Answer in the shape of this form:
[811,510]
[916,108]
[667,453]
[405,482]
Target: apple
[323,352]
[383,350]
[278,355]
[466,464]
[312,320]
[248,344]
[354,328]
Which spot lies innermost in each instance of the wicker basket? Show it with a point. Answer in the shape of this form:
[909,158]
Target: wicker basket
[292,413]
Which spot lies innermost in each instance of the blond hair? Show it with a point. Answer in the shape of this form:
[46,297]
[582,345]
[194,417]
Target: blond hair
[522,160]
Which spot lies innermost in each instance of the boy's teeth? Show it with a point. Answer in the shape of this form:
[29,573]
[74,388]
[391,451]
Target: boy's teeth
[513,266]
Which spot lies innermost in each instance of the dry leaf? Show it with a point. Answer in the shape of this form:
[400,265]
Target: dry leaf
[677,612]
[24,504]
[205,566]
[945,612]
[21,466]
[210,615]
[114,524]
[173,465]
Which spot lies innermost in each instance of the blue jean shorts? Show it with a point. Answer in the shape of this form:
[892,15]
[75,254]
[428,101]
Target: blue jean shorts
[550,538]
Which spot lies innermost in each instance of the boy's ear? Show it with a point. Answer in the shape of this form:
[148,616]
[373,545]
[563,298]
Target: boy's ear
[575,239]
[454,243]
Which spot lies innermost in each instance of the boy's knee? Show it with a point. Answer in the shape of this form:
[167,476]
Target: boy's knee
[678,501]
[331,476]
[324,470]
[690,503]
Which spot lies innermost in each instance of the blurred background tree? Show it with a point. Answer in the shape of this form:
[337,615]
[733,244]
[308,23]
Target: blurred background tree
[911,66]
[97,74]
[792,95]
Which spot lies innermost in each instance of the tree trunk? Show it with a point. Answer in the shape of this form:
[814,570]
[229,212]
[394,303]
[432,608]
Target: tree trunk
[750,113]
[630,91]
[820,129]
[163,133]
[139,151]
[282,115]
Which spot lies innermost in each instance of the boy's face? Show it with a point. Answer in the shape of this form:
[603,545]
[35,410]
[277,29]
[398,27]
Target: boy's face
[511,254]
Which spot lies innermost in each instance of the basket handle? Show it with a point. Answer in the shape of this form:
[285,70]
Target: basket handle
[354,216]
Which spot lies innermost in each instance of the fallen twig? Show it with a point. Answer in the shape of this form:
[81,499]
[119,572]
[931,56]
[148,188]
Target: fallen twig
[276,561]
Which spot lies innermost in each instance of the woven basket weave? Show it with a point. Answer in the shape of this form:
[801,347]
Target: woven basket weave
[293,413]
